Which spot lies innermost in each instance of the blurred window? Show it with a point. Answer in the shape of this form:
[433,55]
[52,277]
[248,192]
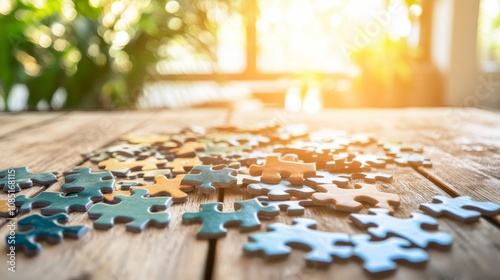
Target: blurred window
[489,35]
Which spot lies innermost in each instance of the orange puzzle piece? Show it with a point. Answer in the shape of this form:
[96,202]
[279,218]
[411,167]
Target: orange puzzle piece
[276,169]
[188,148]
[349,199]
[150,163]
[183,165]
[172,187]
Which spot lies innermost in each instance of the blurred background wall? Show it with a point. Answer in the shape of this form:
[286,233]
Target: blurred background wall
[298,54]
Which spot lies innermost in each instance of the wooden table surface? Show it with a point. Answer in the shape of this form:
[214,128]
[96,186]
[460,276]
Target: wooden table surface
[463,144]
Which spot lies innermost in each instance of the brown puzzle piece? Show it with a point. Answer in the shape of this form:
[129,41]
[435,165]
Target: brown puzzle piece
[171,187]
[274,169]
[183,165]
[123,167]
[349,199]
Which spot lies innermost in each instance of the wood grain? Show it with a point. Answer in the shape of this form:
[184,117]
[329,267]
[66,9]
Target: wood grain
[12,122]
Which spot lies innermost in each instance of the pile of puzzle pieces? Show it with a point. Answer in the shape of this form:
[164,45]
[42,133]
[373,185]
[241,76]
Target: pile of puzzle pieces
[284,167]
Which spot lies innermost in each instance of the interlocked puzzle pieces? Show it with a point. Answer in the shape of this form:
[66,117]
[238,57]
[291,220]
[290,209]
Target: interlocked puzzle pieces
[277,241]
[135,210]
[281,191]
[207,178]
[84,186]
[122,168]
[409,229]
[172,187]
[36,227]
[379,256]
[214,220]
[276,169]
[23,178]
[349,199]
[462,208]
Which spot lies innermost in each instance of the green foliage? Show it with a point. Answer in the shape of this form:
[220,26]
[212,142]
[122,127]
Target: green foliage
[99,51]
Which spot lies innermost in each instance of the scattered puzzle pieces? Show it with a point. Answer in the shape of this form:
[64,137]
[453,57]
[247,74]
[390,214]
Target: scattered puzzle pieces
[281,191]
[461,208]
[214,220]
[122,168]
[379,256]
[171,187]
[35,228]
[409,229]
[349,199]
[22,178]
[276,169]
[134,210]
[280,237]
[207,178]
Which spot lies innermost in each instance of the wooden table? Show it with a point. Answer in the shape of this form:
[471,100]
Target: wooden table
[463,144]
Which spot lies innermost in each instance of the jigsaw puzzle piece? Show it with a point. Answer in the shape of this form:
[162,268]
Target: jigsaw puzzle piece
[35,228]
[135,211]
[461,208]
[83,179]
[321,178]
[15,179]
[183,165]
[275,169]
[207,178]
[171,187]
[292,207]
[349,199]
[214,221]
[281,191]
[380,256]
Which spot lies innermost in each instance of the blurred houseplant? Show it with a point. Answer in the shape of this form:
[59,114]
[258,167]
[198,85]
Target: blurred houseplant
[99,51]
